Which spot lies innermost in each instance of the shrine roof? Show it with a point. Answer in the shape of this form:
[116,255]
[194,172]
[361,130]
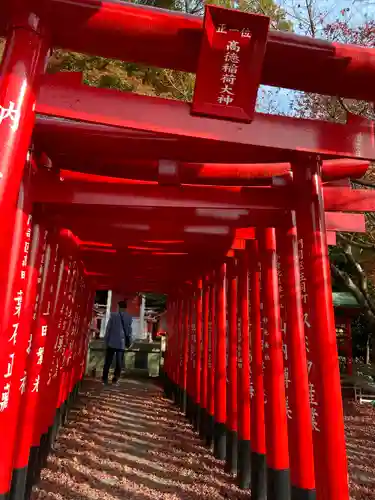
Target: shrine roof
[345,300]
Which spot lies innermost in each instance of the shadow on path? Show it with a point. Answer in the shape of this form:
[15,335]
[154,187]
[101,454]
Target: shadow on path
[129,442]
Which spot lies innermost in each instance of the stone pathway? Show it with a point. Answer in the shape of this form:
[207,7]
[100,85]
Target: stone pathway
[131,443]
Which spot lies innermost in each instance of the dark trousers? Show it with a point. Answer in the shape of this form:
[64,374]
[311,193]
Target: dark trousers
[110,352]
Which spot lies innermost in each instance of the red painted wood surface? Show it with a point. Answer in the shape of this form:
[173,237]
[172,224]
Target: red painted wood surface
[331,475]
[164,117]
[172,40]
[230,64]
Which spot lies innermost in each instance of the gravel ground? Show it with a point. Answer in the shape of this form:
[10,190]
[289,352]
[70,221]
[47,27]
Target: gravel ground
[128,442]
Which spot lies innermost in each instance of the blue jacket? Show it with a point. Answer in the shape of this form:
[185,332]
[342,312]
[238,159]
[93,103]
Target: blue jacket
[116,336]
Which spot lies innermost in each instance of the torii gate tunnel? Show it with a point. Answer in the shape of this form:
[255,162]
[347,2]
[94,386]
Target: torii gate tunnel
[227,211]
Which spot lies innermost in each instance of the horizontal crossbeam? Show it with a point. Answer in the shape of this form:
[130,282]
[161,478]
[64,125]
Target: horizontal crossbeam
[165,39]
[124,194]
[172,120]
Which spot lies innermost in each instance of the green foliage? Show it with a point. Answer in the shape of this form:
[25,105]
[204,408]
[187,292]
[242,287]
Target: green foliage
[268,8]
[337,257]
[333,108]
[354,258]
[228,4]
[115,82]
[161,4]
[132,77]
[156,301]
[360,333]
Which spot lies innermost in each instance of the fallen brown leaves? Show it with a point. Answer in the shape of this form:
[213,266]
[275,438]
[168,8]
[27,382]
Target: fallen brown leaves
[130,443]
[360,444]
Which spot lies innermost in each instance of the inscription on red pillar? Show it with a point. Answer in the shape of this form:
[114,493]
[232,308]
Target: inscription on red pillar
[29,386]
[8,382]
[287,378]
[210,343]
[314,407]
[265,347]
[192,347]
[230,64]
[211,352]
[239,342]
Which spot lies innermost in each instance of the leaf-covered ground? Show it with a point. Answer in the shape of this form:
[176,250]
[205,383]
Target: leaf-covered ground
[360,443]
[129,442]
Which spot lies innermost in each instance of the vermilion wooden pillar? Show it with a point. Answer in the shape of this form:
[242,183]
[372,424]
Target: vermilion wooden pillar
[40,366]
[75,342]
[243,373]
[203,403]
[191,354]
[220,365]
[168,351]
[78,333]
[278,480]
[60,318]
[63,369]
[167,381]
[22,63]
[232,347]
[65,386]
[63,316]
[184,352]
[175,350]
[257,430]
[211,365]
[169,340]
[174,359]
[295,368]
[27,413]
[82,360]
[198,355]
[15,330]
[179,350]
[331,474]
[60,331]
[80,329]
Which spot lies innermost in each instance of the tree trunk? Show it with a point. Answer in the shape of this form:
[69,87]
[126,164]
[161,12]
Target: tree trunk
[368,350]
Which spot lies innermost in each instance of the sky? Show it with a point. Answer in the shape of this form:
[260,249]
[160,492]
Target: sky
[358,11]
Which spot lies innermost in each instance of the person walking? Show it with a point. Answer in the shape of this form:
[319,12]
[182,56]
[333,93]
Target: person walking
[117,338]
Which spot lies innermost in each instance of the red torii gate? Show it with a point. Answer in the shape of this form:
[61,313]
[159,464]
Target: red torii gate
[47,274]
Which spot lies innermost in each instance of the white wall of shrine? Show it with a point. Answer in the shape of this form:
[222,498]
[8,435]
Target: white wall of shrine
[136,308]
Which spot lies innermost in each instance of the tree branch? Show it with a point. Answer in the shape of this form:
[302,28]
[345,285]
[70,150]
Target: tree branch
[363,183]
[358,244]
[359,271]
[361,112]
[311,19]
[343,105]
